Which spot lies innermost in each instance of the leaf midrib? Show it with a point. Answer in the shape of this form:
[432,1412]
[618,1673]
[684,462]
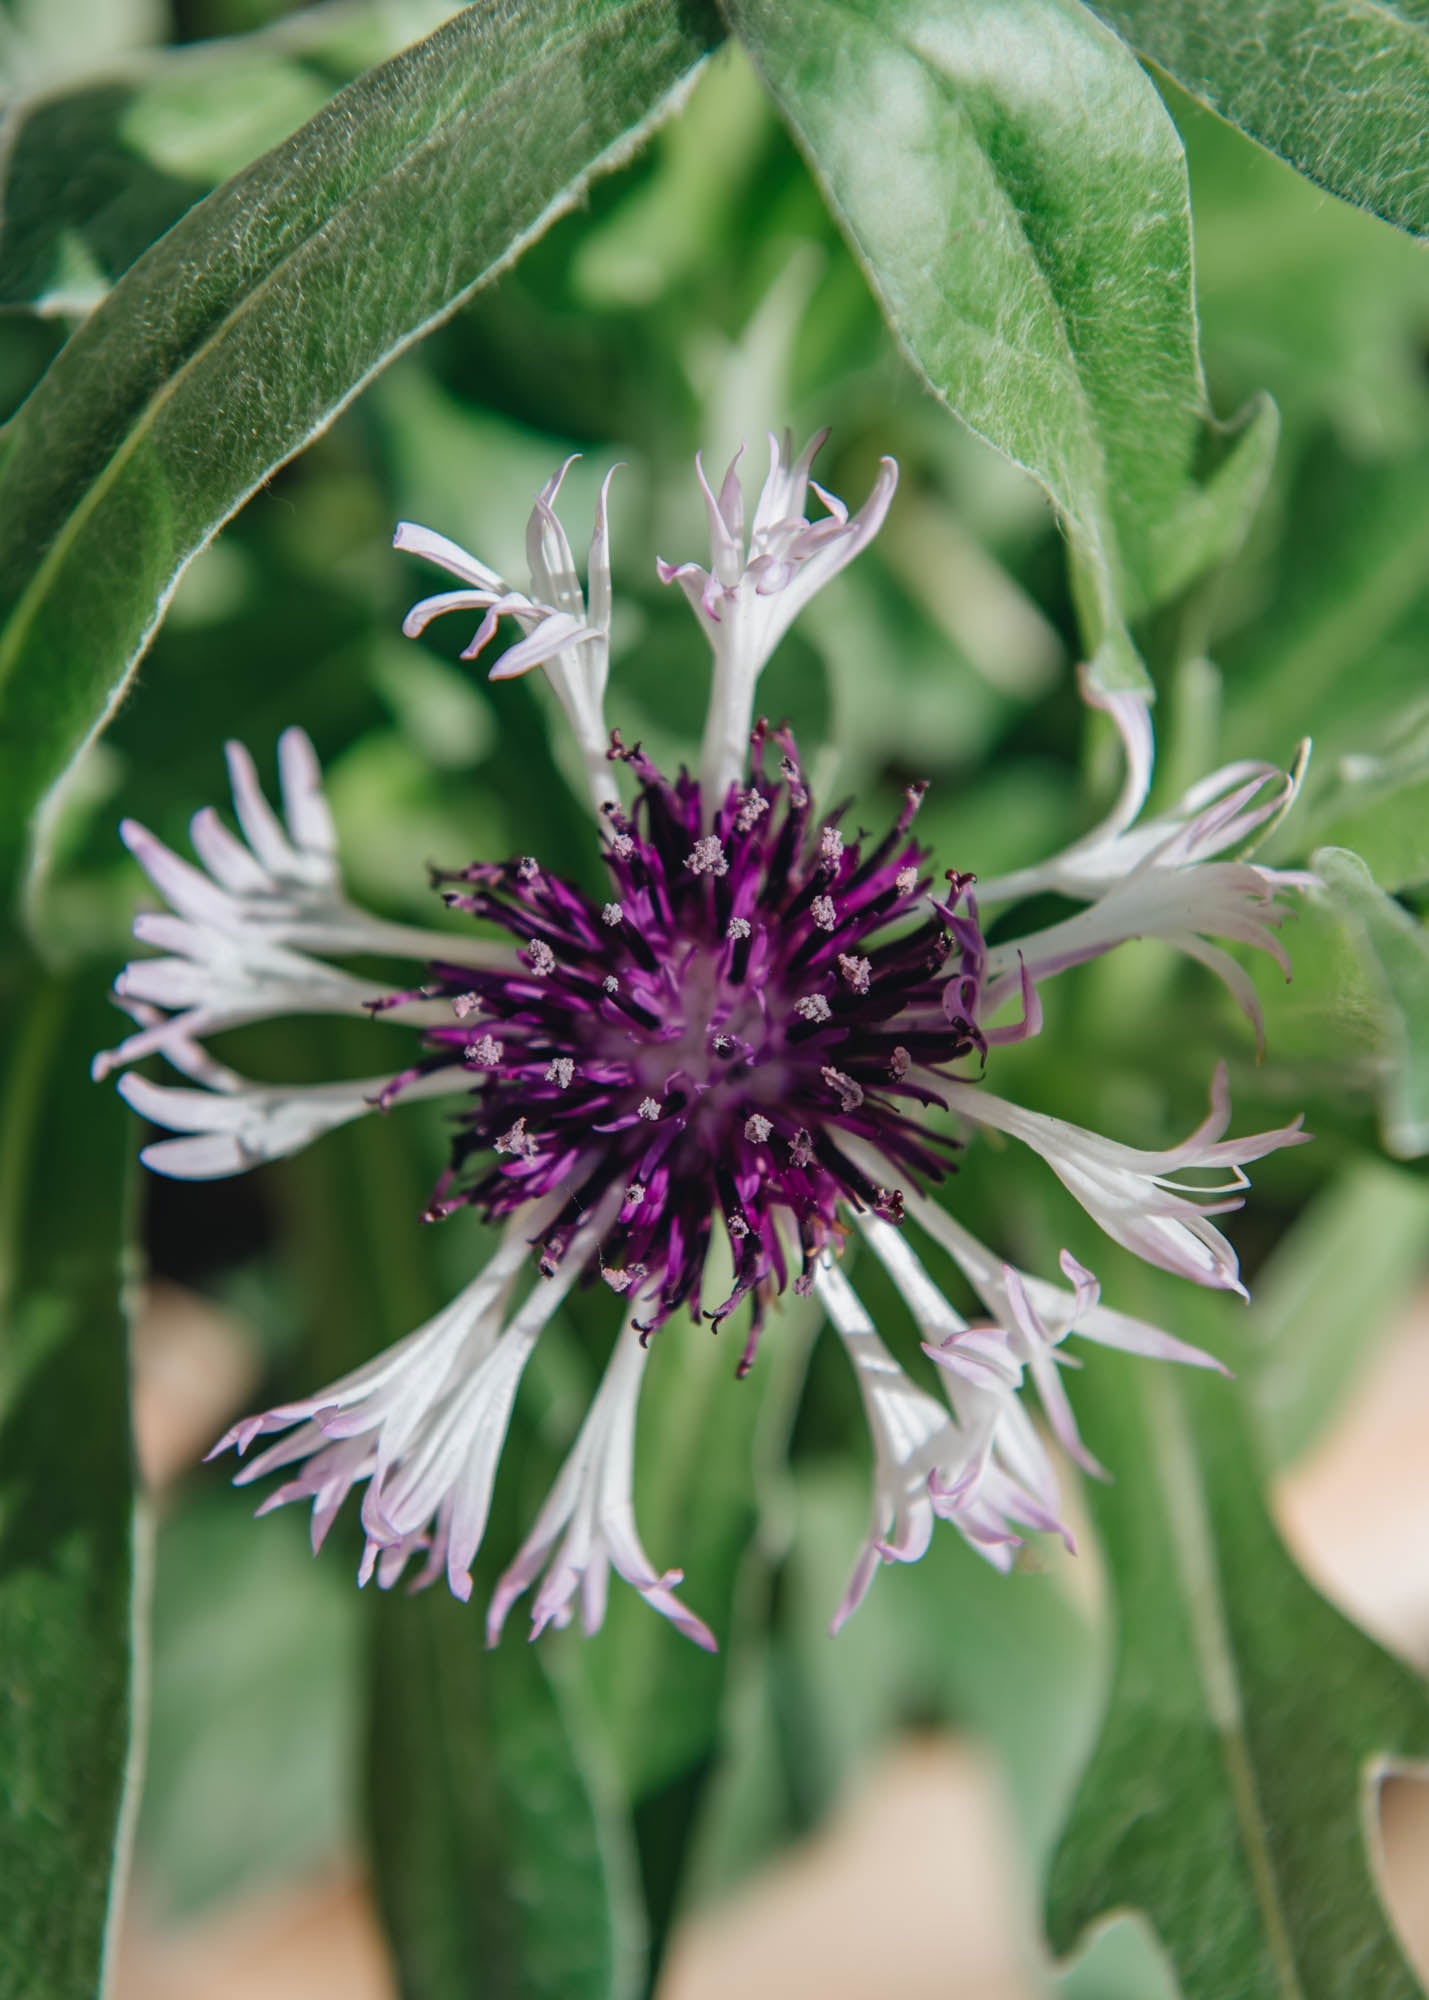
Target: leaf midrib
[1193,1547]
[22,617]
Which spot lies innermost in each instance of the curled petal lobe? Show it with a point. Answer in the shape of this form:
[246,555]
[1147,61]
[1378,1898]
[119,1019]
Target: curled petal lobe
[587,1526]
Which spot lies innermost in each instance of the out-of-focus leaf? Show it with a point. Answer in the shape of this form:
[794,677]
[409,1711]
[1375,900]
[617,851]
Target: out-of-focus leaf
[1336,1279]
[255,1702]
[1322,659]
[1377,804]
[1246,1718]
[45,41]
[66,1496]
[1335,87]
[1395,948]
[244,330]
[498,1870]
[1121,1961]
[90,176]
[1017,194]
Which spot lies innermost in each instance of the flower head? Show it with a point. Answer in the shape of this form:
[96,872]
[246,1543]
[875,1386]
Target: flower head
[766,1032]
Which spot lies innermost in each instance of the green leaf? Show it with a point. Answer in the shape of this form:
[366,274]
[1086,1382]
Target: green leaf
[499,1871]
[1246,1720]
[1016,192]
[67,1555]
[246,328]
[255,1685]
[1395,950]
[93,174]
[1336,87]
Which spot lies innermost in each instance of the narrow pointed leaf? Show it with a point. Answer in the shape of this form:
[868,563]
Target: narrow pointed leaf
[499,1869]
[1336,87]
[1017,194]
[66,1500]
[246,328]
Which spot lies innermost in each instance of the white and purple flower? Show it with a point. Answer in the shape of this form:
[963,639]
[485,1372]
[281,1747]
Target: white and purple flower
[755,1035]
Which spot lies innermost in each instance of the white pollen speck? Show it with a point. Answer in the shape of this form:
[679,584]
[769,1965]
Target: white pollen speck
[907,881]
[612,914]
[650,1108]
[610,983]
[707,857]
[757,1129]
[486,1052]
[813,1007]
[737,1227]
[541,958]
[831,847]
[635,1194]
[899,1063]
[850,1094]
[464,1004]
[622,846]
[560,1070]
[857,971]
[752,808]
[621,1281]
[528,868]
[739,927]
[518,1140]
[801,1149]
[824,914]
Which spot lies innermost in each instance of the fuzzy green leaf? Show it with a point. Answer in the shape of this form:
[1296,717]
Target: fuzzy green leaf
[1246,1721]
[1017,194]
[1336,87]
[66,1499]
[499,1871]
[246,328]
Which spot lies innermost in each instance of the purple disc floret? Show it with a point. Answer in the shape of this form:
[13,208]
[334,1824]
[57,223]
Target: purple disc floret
[756,991]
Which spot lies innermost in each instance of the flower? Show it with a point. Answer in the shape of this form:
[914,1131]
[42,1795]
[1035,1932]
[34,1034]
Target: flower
[769,1028]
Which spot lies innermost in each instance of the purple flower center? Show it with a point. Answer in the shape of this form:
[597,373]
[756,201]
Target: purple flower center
[753,994]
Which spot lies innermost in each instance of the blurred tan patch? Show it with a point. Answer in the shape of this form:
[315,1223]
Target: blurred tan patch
[1354,1509]
[911,1890]
[318,1940]
[193,1368]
